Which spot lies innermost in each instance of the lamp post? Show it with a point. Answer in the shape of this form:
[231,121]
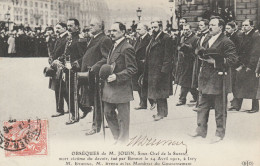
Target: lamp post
[139,12]
[7,17]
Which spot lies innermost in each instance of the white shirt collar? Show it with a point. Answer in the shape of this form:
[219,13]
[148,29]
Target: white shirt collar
[248,31]
[63,34]
[97,34]
[214,38]
[158,35]
[119,41]
[144,35]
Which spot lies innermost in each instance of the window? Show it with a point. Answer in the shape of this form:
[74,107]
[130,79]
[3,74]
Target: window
[51,7]
[42,22]
[46,5]
[31,4]
[21,18]
[25,11]
[25,3]
[41,5]
[36,4]
[31,12]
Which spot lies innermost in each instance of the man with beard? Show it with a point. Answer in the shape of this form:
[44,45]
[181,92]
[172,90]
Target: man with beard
[186,55]
[140,48]
[95,56]
[246,83]
[56,83]
[210,81]
[117,91]
[158,69]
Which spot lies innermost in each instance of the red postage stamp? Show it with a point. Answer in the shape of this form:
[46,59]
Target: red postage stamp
[24,138]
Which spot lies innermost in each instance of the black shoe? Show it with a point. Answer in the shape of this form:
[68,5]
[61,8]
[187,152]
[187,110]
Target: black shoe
[193,101]
[196,109]
[194,135]
[140,108]
[92,131]
[57,115]
[252,111]
[157,117]
[233,109]
[153,106]
[84,115]
[180,103]
[72,121]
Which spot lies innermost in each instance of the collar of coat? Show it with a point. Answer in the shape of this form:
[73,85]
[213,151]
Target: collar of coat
[115,52]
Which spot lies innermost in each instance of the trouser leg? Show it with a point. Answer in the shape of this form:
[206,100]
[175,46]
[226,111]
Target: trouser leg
[194,92]
[59,96]
[97,116]
[123,121]
[203,114]
[220,115]
[237,103]
[183,94]
[255,104]
[111,117]
[143,99]
[162,107]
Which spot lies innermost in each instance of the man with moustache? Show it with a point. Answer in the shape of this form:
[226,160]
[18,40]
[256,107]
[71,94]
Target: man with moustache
[72,57]
[95,56]
[158,69]
[140,48]
[186,55]
[117,91]
[246,83]
[210,82]
[57,84]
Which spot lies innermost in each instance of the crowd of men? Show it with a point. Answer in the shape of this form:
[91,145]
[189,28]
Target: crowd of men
[100,71]
[23,42]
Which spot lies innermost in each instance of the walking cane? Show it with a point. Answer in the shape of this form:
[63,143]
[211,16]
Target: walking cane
[101,107]
[95,98]
[76,97]
[224,73]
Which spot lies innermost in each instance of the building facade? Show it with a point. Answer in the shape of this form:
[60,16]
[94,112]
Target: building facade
[49,12]
[239,9]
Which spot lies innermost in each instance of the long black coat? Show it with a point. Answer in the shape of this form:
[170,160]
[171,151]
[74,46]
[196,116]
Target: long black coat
[140,49]
[258,71]
[210,82]
[186,57]
[158,67]
[246,82]
[95,56]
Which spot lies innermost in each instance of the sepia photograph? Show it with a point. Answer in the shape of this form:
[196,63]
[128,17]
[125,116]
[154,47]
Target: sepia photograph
[129,82]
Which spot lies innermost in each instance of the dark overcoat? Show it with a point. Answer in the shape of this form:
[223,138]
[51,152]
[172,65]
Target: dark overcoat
[258,71]
[209,81]
[186,57]
[58,51]
[121,90]
[95,56]
[140,49]
[249,52]
[158,67]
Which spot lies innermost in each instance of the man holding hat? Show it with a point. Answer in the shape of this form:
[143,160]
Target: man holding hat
[118,92]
